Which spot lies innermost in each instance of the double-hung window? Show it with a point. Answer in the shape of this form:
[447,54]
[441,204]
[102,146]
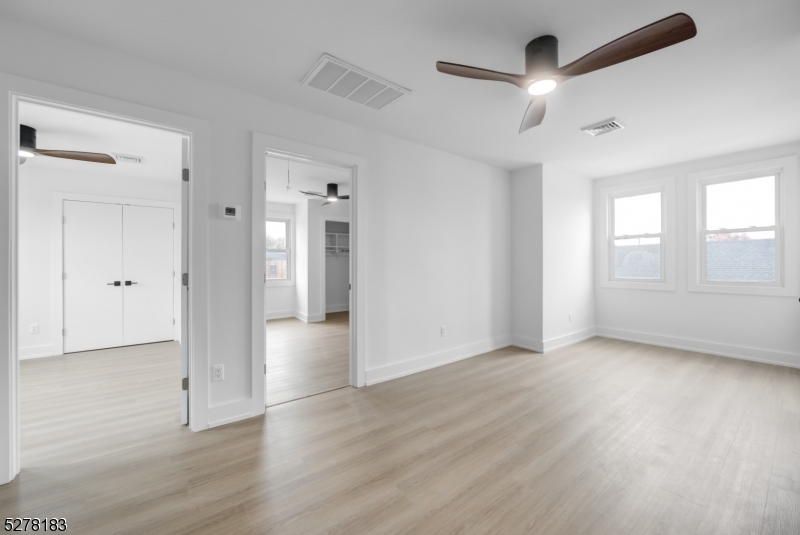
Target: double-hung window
[279,251]
[739,229]
[638,244]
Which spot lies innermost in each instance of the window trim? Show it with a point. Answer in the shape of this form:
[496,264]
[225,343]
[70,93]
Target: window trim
[785,172]
[290,249]
[663,185]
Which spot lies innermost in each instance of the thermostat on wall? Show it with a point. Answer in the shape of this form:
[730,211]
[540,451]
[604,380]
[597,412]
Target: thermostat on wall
[229,211]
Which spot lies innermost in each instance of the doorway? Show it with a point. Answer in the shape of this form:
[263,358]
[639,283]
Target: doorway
[308,344]
[101,315]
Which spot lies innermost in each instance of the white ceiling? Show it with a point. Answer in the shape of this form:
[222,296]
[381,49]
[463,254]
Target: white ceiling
[734,86]
[61,129]
[305,176]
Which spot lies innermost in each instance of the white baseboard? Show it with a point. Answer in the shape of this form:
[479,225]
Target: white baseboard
[701,346]
[568,339]
[527,343]
[434,360]
[233,411]
[337,308]
[35,352]
[279,314]
[309,318]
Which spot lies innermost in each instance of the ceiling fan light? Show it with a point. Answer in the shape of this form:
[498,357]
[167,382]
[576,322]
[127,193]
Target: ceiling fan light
[542,87]
[26,154]
[332,199]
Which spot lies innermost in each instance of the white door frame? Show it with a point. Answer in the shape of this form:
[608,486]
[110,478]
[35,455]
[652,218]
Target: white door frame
[57,281]
[18,89]
[324,257]
[262,144]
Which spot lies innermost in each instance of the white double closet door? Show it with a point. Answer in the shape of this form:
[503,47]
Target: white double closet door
[118,283]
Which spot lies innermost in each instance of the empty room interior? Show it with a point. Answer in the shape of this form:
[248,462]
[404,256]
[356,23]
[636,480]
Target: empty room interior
[400,267]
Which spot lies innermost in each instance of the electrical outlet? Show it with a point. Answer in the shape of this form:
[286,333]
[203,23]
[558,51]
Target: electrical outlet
[34,328]
[218,372]
[444,330]
[570,317]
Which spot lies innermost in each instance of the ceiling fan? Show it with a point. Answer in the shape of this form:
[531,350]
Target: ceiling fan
[27,149]
[331,197]
[542,73]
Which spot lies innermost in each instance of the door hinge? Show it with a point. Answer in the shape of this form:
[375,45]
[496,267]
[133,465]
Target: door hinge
[63,219]
[63,332]
[185,279]
[186,175]
[63,276]
[173,225]
[265,369]
[173,321]
[185,383]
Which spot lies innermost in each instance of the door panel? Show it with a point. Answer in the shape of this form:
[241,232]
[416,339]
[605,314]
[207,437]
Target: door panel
[148,263]
[92,260]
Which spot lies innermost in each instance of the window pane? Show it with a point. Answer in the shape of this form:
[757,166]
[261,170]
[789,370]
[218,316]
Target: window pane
[637,258]
[640,214]
[276,235]
[277,266]
[741,257]
[741,204]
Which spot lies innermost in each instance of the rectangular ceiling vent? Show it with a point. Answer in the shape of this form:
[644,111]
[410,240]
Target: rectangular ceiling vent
[128,158]
[604,127]
[347,81]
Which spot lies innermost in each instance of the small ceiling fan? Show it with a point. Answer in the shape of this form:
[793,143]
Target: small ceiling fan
[27,149]
[331,197]
[542,73]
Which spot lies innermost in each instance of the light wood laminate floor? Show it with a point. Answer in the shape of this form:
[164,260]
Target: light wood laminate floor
[602,437]
[307,358]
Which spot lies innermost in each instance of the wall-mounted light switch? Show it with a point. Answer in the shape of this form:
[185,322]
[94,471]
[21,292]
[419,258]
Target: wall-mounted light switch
[444,330]
[34,328]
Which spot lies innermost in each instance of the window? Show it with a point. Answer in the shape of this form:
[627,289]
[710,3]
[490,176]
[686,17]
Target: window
[637,233]
[738,237]
[278,250]
[636,237]
[743,229]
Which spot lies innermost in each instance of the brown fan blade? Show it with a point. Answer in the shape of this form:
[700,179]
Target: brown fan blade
[534,114]
[466,71]
[326,202]
[661,34]
[314,193]
[94,157]
[344,196]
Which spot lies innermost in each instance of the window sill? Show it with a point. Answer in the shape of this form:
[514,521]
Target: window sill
[634,285]
[275,283]
[744,289]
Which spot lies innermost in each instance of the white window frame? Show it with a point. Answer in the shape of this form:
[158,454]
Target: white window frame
[786,227]
[289,220]
[665,186]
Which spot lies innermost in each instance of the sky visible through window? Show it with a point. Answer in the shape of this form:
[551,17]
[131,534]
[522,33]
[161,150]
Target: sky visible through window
[741,204]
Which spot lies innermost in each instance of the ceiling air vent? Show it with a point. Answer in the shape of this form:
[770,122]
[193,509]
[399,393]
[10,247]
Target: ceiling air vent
[603,128]
[342,79]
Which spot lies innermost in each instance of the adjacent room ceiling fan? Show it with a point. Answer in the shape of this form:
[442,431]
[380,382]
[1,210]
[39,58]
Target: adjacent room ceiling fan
[542,73]
[27,149]
[332,196]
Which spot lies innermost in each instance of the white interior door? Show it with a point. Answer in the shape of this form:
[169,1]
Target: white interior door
[148,263]
[93,304]
[184,311]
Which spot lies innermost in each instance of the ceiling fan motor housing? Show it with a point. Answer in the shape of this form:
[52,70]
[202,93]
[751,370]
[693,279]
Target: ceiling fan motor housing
[541,55]
[333,191]
[27,137]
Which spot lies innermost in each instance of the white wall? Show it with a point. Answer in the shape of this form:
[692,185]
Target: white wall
[527,220]
[567,258]
[280,301]
[551,258]
[37,184]
[745,326]
[437,225]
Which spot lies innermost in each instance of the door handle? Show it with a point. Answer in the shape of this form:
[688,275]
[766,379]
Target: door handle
[115,283]
[128,283]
